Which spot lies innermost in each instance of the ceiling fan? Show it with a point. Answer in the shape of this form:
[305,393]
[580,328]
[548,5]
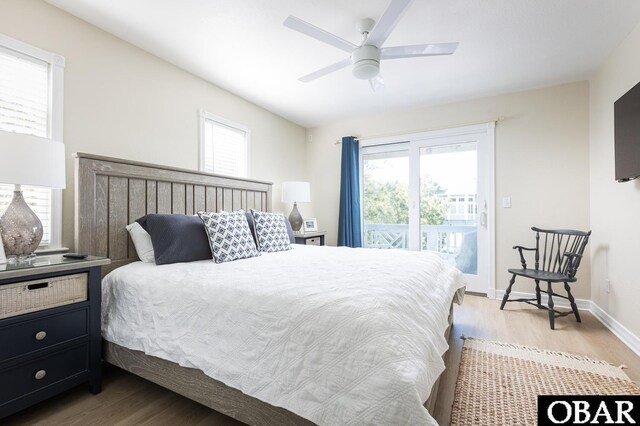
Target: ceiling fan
[366,57]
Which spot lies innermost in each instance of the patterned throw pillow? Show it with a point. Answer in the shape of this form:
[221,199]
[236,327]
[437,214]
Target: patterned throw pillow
[271,230]
[229,236]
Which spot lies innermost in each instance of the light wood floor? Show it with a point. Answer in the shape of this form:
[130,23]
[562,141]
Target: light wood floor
[528,325]
[129,400]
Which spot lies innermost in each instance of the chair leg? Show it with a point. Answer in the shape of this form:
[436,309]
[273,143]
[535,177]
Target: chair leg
[572,300]
[538,298]
[552,315]
[506,293]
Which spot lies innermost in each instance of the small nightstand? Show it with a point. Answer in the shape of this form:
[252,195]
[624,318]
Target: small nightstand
[49,329]
[311,238]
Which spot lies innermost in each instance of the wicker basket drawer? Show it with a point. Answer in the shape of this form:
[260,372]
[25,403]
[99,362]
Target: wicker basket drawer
[30,296]
[313,241]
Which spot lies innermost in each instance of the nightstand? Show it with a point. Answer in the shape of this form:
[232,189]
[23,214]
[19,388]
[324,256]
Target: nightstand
[49,329]
[311,238]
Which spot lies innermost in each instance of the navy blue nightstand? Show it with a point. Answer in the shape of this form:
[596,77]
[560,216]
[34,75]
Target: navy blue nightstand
[49,329]
[310,238]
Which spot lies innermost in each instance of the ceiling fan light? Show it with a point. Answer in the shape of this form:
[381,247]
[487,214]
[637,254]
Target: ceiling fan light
[366,69]
[366,62]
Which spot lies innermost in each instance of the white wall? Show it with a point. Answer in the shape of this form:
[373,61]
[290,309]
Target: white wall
[615,207]
[542,162]
[121,101]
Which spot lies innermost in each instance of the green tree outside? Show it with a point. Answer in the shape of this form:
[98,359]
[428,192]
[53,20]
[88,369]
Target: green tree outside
[388,202]
[433,209]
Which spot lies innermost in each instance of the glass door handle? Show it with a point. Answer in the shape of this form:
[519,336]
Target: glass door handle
[483,219]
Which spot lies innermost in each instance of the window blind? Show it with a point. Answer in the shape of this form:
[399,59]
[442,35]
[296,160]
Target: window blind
[24,94]
[24,108]
[225,149]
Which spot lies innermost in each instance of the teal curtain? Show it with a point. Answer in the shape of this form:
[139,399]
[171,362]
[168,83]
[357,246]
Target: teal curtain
[349,222]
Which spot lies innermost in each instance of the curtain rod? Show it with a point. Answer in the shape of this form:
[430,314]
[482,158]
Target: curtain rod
[497,120]
[339,142]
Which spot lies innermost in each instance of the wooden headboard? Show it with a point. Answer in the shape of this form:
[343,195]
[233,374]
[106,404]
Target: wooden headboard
[110,193]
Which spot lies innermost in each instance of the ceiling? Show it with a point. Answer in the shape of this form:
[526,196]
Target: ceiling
[241,46]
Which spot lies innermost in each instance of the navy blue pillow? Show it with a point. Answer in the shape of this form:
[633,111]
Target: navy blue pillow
[176,238]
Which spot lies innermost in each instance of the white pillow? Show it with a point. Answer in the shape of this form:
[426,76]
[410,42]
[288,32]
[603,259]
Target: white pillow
[142,242]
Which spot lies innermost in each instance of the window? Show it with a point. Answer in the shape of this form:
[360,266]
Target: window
[224,146]
[31,102]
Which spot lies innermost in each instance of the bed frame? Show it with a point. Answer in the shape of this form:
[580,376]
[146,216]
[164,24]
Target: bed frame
[111,193]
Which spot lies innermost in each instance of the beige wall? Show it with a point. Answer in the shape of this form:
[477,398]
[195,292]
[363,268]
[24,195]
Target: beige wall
[542,162]
[121,101]
[615,207]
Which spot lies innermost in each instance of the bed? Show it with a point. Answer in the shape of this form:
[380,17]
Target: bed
[312,335]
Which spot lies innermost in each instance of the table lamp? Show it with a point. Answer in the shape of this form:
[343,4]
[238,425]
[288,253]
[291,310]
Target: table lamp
[3,258]
[296,192]
[27,160]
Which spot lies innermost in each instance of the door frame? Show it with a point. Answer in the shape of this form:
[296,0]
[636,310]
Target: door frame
[487,129]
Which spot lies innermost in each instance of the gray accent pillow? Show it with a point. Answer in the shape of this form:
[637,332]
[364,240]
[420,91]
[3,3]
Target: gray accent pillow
[176,238]
[292,236]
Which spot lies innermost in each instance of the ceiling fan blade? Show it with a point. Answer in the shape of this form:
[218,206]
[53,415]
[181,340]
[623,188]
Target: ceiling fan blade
[388,22]
[312,31]
[418,50]
[326,70]
[377,83]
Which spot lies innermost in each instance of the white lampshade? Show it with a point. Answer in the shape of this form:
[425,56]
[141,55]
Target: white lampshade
[296,192]
[31,160]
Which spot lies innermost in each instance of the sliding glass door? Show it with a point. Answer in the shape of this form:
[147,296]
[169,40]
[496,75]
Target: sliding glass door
[431,194]
[385,202]
[448,203]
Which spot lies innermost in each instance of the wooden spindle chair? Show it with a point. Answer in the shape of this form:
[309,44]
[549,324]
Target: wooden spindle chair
[560,252]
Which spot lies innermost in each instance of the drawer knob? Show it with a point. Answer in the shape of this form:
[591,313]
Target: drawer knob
[40,335]
[40,374]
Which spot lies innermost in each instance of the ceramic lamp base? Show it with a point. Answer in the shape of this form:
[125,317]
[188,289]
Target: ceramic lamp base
[295,218]
[20,227]
[3,258]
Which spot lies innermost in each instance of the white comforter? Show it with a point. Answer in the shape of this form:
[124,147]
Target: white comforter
[336,335]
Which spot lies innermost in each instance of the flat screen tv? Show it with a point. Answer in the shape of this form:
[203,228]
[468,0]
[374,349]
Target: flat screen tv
[627,135]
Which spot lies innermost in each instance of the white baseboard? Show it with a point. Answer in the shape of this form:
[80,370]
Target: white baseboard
[491,293]
[623,333]
[583,304]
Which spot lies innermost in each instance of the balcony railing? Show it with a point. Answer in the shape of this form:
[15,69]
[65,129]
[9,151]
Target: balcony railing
[456,243]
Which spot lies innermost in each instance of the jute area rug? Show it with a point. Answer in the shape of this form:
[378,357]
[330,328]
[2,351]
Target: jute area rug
[498,383]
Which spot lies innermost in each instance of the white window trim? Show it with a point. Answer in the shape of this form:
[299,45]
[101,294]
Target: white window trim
[56,113]
[205,116]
